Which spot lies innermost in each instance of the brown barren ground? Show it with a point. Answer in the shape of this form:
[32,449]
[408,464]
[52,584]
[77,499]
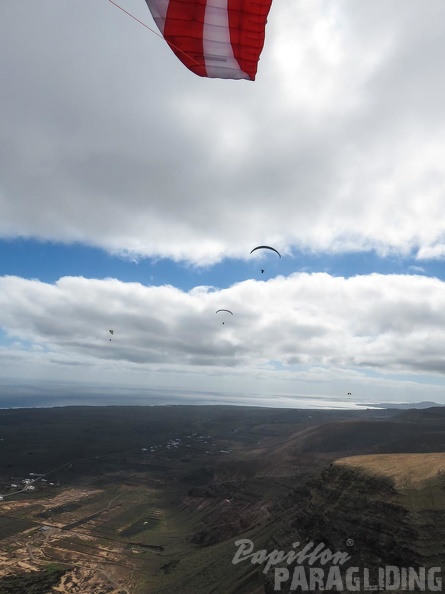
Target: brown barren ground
[407,470]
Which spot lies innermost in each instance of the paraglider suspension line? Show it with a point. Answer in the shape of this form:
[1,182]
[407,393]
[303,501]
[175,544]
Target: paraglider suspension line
[172,45]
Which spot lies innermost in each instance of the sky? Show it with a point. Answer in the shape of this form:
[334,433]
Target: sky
[133,191]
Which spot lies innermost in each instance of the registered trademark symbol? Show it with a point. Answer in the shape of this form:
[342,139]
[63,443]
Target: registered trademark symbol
[350,542]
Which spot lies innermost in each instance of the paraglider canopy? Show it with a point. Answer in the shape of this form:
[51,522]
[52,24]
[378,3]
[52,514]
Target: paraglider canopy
[265,247]
[214,38]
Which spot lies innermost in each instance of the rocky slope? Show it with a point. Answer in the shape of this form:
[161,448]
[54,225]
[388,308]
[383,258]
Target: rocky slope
[367,517]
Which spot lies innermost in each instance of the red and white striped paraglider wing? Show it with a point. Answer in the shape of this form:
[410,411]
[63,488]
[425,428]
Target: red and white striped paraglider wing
[214,38]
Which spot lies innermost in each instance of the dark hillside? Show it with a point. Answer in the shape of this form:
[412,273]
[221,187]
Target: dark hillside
[359,436]
[428,442]
[369,519]
[435,414]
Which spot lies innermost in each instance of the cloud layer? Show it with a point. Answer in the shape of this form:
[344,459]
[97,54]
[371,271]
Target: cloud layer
[108,140]
[304,329]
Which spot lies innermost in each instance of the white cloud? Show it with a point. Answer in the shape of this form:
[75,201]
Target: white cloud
[108,140]
[432,252]
[304,334]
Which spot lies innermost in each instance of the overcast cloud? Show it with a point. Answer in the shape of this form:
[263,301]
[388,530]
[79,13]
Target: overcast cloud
[333,332]
[109,141]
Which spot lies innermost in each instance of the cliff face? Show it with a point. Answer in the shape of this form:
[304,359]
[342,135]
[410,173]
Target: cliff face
[368,518]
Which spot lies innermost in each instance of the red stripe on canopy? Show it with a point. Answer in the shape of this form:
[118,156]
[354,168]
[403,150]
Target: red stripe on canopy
[247,23]
[183,31]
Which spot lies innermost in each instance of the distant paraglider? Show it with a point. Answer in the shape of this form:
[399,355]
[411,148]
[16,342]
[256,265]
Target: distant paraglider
[111,332]
[265,247]
[227,310]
